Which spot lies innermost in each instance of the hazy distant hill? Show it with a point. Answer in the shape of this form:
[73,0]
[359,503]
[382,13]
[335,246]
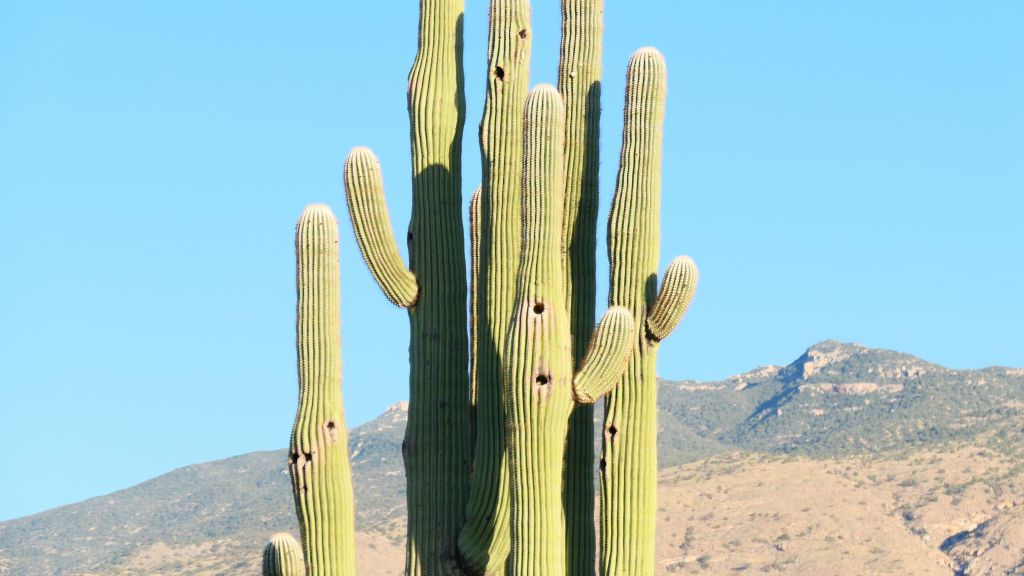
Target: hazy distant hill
[850,460]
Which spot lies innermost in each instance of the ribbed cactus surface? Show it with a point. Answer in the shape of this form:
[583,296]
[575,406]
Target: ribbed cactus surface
[499,457]
[538,354]
[579,82]
[541,385]
[282,556]
[629,454]
[436,449]
[484,542]
[320,471]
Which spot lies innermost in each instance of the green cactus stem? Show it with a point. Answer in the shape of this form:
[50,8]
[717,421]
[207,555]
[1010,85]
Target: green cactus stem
[579,82]
[321,477]
[283,556]
[611,346]
[484,541]
[678,286]
[436,449]
[540,386]
[372,226]
[629,453]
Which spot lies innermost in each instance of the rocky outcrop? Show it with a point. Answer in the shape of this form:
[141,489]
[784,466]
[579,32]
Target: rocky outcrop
[995,547]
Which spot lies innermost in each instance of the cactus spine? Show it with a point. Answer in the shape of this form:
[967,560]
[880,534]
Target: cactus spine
[283,556]
[540,386]
[629,453]
[321,477]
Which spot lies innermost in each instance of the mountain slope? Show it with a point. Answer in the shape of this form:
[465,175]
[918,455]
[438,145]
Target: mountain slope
[849,458]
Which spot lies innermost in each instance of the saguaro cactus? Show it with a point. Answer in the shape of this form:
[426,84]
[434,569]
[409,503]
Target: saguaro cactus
[321,477]
[541,388]
[283,556]
[629,454]
[533,235]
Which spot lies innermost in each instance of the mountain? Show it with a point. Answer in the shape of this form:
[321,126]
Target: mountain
[848,460]
[844,399]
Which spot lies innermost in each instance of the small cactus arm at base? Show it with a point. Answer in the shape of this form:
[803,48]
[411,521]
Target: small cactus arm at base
[283,556]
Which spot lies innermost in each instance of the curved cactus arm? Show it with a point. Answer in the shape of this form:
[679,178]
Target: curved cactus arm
[607,356]
[283,556]
[364,193]
[677,289]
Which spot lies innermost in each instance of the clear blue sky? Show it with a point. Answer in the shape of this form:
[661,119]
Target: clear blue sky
[838,170]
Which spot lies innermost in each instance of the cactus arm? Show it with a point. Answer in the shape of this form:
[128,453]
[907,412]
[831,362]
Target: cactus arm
[579,82]
[677,289]
[607,356]
[628,465]
[484,541]
[283,556]
[364,193]
[320,471]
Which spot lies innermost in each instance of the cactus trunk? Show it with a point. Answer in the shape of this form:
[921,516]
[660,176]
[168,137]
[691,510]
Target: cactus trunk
[436,447]
[579,82]
[321,478]
[541,385]
[539,356]
[484,542]
[629,454]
